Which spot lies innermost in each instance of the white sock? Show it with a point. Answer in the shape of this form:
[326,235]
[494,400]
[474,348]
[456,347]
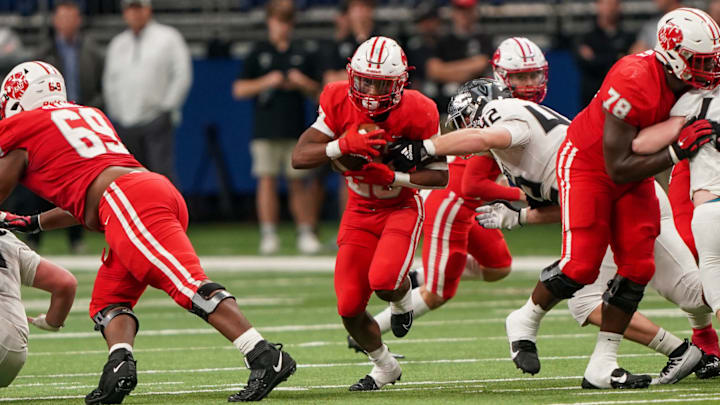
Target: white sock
[699,321]
[268,229]
[247,341]
[525,322]
[418,305]
[383,320]
[665,342]
[381,357]
[604,359]
[404,304]
[125,346]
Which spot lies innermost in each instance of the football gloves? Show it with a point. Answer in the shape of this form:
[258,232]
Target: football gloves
[20,223]
[406,154]
[500,214]
[365,145]
[694,134]
[373,173]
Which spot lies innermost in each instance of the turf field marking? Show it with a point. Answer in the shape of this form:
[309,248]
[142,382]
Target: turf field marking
[705,397]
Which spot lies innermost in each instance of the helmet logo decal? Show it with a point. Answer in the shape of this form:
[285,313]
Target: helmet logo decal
[16,85]
[670,36]
[496,57]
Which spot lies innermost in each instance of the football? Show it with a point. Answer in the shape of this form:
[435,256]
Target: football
[351,162]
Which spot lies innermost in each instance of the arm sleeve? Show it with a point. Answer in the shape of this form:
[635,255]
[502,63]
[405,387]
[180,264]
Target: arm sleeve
[180,72]
[479,181]
[28,262]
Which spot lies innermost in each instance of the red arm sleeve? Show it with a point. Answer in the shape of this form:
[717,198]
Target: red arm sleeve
[479,181]
[682,206]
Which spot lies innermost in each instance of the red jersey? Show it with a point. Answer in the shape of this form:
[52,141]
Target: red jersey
[635,90]
[475,180]
[415,118]
[68,146]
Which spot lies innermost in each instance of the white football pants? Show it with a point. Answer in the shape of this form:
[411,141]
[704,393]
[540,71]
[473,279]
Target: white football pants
[706,229]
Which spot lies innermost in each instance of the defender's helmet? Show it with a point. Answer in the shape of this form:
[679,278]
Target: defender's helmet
[688,44]
[31,85]
[466,106]
[377,73]
[520,55]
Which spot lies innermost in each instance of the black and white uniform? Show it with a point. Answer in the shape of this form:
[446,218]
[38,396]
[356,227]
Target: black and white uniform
[705,175]
[17,267]
[529,162]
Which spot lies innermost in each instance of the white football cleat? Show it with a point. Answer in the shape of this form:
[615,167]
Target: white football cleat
[681,365]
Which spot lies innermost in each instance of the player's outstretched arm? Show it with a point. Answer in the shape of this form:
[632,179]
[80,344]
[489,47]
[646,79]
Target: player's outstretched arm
[61,284]
[501,214]
[469,140]
[56,218]
[423,179]
[657,137]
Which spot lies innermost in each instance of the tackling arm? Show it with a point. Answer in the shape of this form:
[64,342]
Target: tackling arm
[310,150]
[621,163]
[469,140]
[657,137]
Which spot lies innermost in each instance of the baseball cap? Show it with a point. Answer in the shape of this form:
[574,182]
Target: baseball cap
[142,3]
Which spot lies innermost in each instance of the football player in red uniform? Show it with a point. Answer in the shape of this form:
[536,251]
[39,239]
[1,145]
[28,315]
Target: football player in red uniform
[70,155]
[381,225]
[607,193]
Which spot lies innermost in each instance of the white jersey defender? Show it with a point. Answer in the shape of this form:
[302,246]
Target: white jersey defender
[537,132]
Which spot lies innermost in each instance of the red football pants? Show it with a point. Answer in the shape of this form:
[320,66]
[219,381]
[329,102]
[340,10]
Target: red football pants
[597,211]
[449,233]
[376,250]
[145,219]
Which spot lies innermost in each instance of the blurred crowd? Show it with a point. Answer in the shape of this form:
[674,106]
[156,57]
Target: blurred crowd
[142,78]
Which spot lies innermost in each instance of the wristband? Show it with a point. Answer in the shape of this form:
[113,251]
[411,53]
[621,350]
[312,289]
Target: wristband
[332,149]
[402,179]
[429,147]
[41,323]
[38,222]
[673,155]
[522,217]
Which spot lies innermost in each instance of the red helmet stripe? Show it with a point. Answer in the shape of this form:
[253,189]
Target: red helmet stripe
[712,24]
[521,48]
[372,50]
[382,47]
[42,66]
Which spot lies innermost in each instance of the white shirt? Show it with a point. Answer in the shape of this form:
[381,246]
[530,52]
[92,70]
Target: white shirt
[146,74]
[705,166]
[537,132]
[17,267]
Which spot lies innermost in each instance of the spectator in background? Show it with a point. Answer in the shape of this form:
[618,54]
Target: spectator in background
[148,73]
[714,10]
[422,45]
[277,75]
[81,63]
[647,36]
[360,27]
[461,55]
[600,48]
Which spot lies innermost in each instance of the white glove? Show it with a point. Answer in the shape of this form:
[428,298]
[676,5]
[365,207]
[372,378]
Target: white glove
[500,214]
[41,323]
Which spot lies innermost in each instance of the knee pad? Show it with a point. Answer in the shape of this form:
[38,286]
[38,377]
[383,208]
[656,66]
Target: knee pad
[624,294]
[559,284]
[104,316]
[204,302]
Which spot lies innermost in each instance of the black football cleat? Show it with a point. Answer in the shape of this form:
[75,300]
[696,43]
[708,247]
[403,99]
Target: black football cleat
[524,355]
[622,379]
[709,367]
[269,366]
[353,345]
[119,377]
[368,383]
[401,323]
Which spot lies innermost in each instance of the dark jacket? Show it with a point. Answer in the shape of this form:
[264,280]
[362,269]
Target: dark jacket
[90,69]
